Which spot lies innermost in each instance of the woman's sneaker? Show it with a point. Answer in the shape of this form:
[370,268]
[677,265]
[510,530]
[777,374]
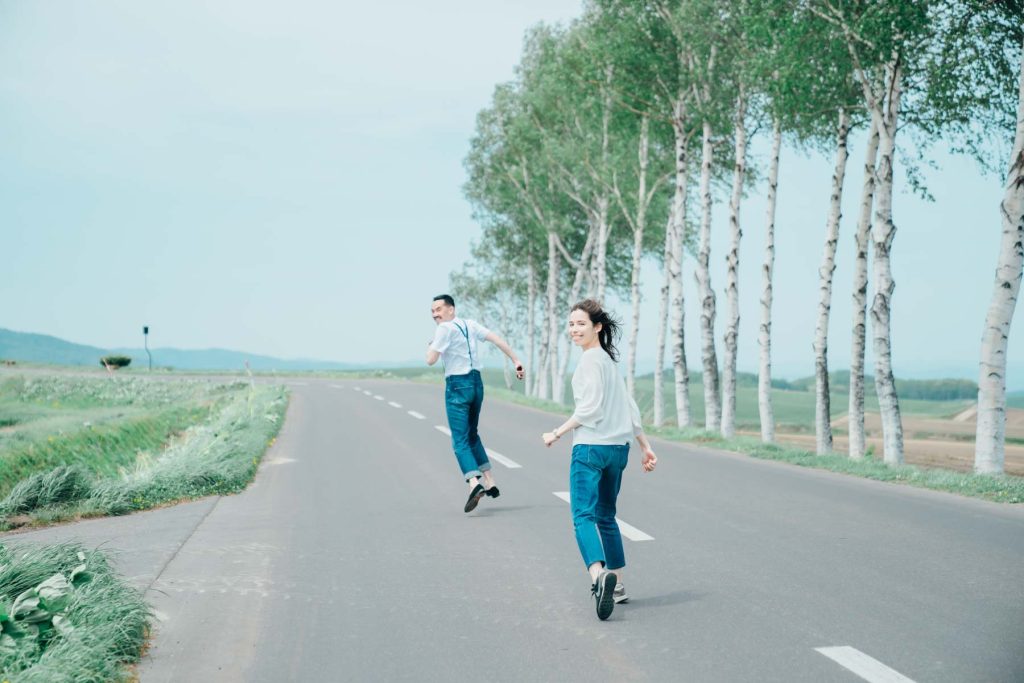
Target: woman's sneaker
[604,590]
[620,594]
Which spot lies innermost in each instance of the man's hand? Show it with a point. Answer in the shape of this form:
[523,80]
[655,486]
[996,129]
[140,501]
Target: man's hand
[520,373]
[649,461]
[549,438]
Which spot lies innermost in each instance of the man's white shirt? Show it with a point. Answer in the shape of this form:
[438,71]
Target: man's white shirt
[456,340]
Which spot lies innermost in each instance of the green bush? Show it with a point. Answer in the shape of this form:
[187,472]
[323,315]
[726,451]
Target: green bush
[115,361]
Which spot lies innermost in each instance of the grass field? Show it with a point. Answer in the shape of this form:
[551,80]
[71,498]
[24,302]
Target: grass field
[81,446]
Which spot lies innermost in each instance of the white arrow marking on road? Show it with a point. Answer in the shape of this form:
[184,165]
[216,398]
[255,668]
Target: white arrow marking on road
[627,530]
[493,455]
[416,415]
[868,668]
[394,405]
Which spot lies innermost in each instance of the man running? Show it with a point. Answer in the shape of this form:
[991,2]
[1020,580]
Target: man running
[456,343]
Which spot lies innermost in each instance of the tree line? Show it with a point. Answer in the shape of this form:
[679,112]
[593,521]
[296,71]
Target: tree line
[621,130]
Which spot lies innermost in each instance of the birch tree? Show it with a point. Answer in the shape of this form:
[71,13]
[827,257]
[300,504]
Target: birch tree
[855,414]
[979,75]
[886,43]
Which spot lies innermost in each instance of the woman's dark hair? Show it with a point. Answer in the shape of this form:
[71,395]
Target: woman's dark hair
[609,325]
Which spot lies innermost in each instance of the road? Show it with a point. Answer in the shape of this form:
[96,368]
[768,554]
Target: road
[350,559]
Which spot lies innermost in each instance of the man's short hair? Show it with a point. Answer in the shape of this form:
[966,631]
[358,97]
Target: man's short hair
[447,298]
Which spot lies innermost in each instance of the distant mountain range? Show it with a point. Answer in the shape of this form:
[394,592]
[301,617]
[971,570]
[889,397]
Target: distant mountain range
[41,348]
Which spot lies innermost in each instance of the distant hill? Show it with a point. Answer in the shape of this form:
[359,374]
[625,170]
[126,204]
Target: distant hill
[41,348]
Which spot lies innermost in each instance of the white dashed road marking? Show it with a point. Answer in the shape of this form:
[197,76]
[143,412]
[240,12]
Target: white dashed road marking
[368,393]
[493,455]
[628,530]
[394,405]
[417,415]
[379,398]
[498,457]
[868,668]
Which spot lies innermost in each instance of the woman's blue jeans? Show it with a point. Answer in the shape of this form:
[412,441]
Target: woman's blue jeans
[463,398]
[594,479]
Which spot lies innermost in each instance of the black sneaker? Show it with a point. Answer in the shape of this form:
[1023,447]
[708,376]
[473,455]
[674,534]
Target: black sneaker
[604,592]
[474,497]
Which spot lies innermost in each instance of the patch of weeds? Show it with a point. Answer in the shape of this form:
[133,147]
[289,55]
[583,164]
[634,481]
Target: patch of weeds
[66,616]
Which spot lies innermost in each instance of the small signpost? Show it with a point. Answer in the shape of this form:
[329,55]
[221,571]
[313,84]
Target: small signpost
[145,341]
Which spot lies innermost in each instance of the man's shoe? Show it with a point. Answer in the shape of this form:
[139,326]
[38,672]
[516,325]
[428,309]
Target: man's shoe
[604,591]
[620,594]
[493,492]
[474,498]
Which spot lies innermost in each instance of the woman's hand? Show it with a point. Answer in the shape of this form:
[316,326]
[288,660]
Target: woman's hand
[549,438]
[649,461]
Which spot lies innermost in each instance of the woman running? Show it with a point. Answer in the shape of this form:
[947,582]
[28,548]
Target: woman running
[606,419]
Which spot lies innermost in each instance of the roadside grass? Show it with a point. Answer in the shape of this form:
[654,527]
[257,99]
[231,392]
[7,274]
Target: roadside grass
[996,488]
[191,439]
[65,615]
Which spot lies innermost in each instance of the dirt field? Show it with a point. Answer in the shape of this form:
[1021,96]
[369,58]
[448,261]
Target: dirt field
[948,444]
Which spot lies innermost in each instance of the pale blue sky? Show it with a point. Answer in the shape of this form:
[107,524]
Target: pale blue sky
[286,180]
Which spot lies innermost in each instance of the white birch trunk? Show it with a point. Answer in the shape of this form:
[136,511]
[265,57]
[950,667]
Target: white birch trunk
[732,260]
[764,335]
[712,401]
[574,296]
[638,245]
[554,320]
[550,321]
[677,310]
[822,397]
[531,329]
[989,456]
[603,202]
[659,354]
[882,234]
[862,239]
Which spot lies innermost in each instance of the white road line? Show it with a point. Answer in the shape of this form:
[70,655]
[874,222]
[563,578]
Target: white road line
[337,386]
[498,457]
[868,668]
[379,398]
[493,455]
[368,393]
[357,388]
[394,405]
[627,530]
[416,415]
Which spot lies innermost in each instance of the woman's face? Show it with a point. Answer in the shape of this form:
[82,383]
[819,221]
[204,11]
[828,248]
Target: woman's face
[582,331]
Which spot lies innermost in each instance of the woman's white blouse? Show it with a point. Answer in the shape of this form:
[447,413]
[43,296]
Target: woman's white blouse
[604,408]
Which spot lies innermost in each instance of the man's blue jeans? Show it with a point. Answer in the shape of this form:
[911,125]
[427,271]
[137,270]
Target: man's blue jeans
[594,479]
[463,397]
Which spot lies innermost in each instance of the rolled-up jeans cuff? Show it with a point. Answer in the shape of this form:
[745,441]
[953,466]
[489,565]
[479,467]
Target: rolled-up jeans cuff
[485,467]
[473,474]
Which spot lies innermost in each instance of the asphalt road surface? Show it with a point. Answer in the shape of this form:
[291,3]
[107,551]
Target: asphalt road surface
[350,559]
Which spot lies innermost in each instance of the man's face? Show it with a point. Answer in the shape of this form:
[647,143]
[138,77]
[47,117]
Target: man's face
[442,312]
